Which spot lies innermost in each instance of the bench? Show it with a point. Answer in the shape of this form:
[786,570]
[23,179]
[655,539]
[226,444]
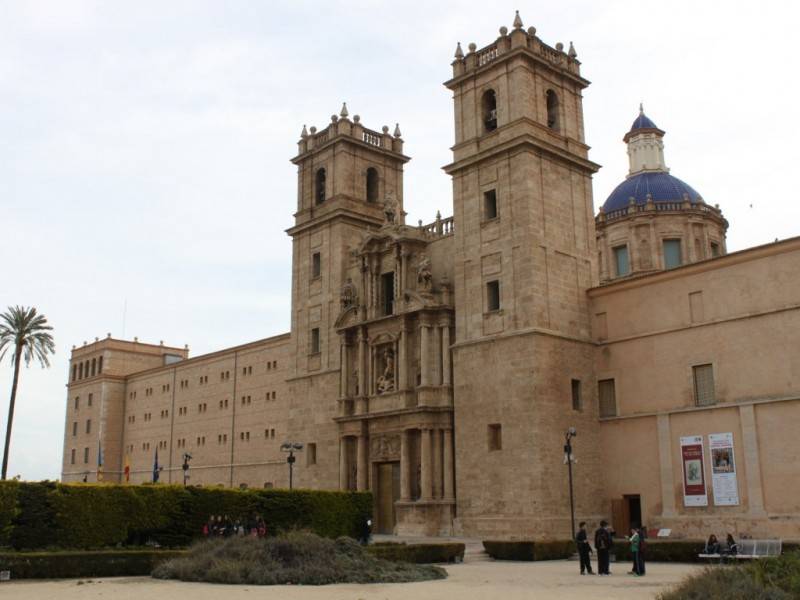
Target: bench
[750,549]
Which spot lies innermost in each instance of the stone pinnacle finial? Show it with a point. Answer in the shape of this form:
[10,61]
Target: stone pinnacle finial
[397,133]
[304,133]
[572,53]
[343,113]
[517,21]
[641,108]
[459,51]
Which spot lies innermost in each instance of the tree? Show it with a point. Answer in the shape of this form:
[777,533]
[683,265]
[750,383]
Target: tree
[27,332]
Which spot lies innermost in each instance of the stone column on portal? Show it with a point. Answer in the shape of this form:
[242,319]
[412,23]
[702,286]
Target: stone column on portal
[436,365]
[343,466]
[437,463]
[405,466]
[752,459]
[362,379]
[402,377]
[362,476]
[665,462]
[426,476]
[425,354]
[449,482]
[446,379]
[345,366]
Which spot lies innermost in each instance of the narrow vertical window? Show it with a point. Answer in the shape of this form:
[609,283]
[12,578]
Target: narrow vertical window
[714,249]
[621,260]
[552,110]
[74,428]
[74,372]
[704,385]
[495,434]
[316,265]
[80,371]
[489,110]
[576,395]
[387,293]
[319,187]
[492,296]
[94,366]
[99,365]
[72,457]
[489,205]
[311,454]
[85,456]
[372,185]
[607,394]
[315,340]
[672,254]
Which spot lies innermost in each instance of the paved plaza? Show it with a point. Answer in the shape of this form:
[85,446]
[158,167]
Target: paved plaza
[553,580]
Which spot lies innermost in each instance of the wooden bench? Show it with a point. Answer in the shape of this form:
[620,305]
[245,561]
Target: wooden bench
[750,549]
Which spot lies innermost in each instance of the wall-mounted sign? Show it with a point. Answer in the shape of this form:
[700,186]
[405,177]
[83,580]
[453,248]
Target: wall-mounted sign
[694,480]
[723,469]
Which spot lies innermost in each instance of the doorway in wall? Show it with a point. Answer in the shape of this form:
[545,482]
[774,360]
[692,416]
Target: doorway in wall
[626,512]
[387,492]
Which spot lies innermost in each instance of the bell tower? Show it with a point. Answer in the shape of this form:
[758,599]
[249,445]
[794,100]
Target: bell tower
[347,175]
[524,257]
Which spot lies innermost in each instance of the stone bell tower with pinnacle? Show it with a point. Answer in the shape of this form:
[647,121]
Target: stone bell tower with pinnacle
[345,173]
[524,257]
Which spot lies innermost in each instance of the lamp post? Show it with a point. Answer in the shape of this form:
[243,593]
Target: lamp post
[186,458]
[569,459]
[291,447]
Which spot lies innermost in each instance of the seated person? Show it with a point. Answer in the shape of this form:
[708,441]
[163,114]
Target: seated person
[712,545]
[731,547]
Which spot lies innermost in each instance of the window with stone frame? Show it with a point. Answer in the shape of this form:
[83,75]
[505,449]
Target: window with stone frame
[621,261]
[672,254]
[552,110]
[607,396]
[703,376]
[319,186]
[316,265]
[85,456]
[492,295]
[72,457]
[372,184]
[714,249]
[311,454]
[315,344]
[495,433]
[489,205]
[387,293]
[577,401]
[489,110]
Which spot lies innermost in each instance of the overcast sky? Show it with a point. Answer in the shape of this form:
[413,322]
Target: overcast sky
[144,146]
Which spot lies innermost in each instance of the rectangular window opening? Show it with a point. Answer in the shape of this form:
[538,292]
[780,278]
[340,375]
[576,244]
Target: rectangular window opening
[672,254]
[704,385]
[387,293]
[621,260]
[316,265]
[492,296]
[608,397]
[495,431]
[576,395]
[490,205]
[315,347]
[311,454]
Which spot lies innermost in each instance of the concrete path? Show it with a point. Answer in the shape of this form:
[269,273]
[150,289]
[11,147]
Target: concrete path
[481,580]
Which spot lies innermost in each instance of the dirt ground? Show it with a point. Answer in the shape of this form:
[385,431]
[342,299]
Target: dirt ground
[554,580]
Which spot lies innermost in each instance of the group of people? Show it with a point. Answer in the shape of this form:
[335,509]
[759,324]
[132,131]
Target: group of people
[603,538]
[729,548]
[224,526]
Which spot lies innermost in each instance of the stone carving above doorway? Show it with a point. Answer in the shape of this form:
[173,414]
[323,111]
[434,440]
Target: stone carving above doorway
[385,447]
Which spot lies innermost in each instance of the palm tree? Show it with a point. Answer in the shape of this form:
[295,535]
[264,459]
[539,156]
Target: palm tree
[27,333]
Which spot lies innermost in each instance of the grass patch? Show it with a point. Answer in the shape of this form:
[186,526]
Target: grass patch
[763,579]
[293,558]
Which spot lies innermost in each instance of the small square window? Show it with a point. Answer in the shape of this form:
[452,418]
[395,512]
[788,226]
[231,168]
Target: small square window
[315,340]
[495,431]
[492,296]
[576,395]
[316,265]
[489,205]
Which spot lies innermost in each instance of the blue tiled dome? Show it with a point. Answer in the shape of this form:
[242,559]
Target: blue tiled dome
[643,122]
[662,186]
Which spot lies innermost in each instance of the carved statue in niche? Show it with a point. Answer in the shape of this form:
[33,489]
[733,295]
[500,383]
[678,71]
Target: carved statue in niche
[424,273]
[349,294]
[390,208]
[385,381]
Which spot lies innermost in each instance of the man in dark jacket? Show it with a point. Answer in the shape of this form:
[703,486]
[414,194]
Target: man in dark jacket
[584,549]
[602,541]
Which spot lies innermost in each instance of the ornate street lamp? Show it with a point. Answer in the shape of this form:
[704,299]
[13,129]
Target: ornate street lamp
[186,458]
[568,460]
[291,447]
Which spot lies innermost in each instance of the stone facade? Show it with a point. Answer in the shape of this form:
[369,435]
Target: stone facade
[440,365]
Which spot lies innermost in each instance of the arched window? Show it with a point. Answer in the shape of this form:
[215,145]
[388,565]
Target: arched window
[489,110]
[319,187]
[372,185]
[552,110]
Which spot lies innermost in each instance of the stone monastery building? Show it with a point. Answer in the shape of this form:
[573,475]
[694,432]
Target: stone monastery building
[441,365]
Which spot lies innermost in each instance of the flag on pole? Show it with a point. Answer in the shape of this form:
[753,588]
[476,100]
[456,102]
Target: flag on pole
[127,469]
[99,461]
[155,468]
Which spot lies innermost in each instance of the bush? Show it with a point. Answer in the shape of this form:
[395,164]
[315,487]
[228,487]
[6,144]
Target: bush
[763,579]
[445,552]
[684,551]
[98,563]
[85,516]
[529,550]
[297,558]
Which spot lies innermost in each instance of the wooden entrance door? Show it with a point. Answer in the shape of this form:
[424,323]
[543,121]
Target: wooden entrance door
[386,493]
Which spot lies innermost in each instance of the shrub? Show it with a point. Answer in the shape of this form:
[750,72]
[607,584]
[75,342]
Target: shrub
[298,558]
[84,516]
[445,552]
[529,550]
[97,563]
[684,551]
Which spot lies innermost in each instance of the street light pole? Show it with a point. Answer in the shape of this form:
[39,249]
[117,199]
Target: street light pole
[568,458]
[291,447]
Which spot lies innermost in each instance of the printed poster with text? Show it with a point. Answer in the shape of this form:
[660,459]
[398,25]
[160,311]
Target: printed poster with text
[694,480]
[723,469]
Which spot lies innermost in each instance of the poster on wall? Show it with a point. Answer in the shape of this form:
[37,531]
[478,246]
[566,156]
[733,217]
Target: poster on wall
[694,481]
[723,469]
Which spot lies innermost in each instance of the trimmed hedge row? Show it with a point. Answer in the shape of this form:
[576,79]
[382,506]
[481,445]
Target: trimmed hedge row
[529,550]
[683,551]
[98,563]
[445,552]
[83,516]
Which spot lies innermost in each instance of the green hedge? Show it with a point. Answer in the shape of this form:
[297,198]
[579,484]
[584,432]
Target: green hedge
[445,552]
[83,516]
[529,550]
[99,563]
[683,551]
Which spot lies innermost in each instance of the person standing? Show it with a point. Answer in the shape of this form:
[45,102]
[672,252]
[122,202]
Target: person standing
[602,542]
[642,548]
[634,542]
[584,549]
